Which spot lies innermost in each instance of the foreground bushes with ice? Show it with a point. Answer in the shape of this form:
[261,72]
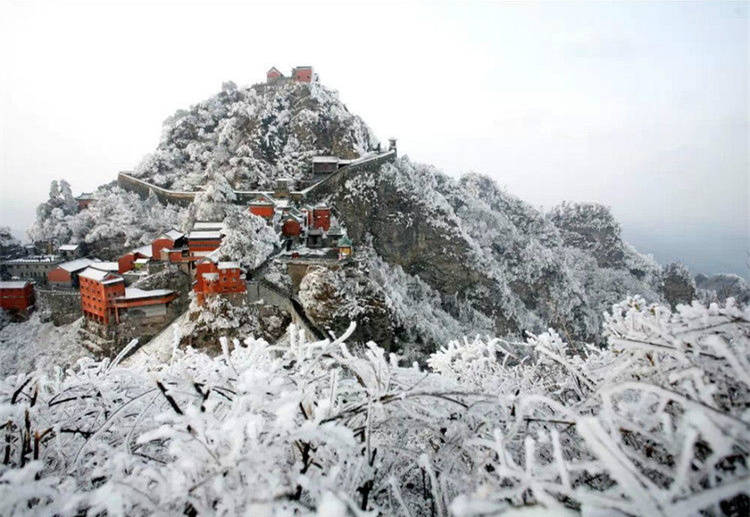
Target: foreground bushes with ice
[655,424]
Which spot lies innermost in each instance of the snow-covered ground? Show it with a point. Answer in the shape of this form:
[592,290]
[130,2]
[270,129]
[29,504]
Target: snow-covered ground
[32,344]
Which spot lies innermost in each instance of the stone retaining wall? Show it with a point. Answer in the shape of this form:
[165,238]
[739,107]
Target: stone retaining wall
[64,305]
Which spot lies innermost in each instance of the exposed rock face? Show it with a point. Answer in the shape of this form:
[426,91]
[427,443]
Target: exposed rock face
[489,255]
[332,299]
[253,135]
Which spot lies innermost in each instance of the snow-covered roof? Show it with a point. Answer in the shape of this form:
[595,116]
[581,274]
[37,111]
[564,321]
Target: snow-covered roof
[14,284]
[36,259]
[133,293]
[106,266]
[205,235]
[208,225]
[144,250]
[141,261]
[96,274]
[263,200]
[325,159]
[282,203]
[85,195]
[171,234]
[228,265]
[274,69]
[69,247]
[76,265]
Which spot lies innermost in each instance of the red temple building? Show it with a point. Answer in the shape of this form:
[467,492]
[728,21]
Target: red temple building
[291,226]
[98,291]
[168,240]
[273,74]
[84,200]
[263,206]
[17,296]
[320,217]
[128,261]
[303,74]
[201,243]
[216,277]
[66,274]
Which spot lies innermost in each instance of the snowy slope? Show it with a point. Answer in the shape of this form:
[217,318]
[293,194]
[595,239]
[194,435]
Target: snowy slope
[253,135]
[32,345]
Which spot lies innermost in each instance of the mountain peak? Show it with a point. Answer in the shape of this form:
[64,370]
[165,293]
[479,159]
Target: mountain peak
[255,134]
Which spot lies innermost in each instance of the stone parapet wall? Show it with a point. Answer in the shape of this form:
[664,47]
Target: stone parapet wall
[337,179]
[320,189]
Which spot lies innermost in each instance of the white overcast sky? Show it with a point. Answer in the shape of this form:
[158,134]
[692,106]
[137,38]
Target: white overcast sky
[640,106]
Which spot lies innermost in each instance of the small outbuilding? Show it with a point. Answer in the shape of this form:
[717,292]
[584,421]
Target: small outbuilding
[66,274]
[345,248]
[70,251]
[273,75]
[263,206]
[17,296]
[324,164]
[170,239]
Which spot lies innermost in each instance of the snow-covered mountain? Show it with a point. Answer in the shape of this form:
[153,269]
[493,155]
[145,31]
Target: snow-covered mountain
[436,257]
[253,135]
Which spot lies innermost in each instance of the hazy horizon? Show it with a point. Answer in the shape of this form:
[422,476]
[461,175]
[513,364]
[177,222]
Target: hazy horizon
[641,107]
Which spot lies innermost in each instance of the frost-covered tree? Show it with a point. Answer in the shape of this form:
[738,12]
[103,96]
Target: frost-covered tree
[116,219]
[7,241]
[248,239]
[213,202]
[678,285]
[654,424]
[722,286]
[52,215]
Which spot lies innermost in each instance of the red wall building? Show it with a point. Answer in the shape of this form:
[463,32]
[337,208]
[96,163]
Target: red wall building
[84,200]
[273,74]
[201,244]
[66,274]
[16,295]
[126,263]
[291,227]
[262,207]
[166,240]
[321,217]
[212,277]
[303,74]
[98,291]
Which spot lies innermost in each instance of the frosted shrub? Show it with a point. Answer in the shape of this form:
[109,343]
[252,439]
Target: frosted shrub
[654,424]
